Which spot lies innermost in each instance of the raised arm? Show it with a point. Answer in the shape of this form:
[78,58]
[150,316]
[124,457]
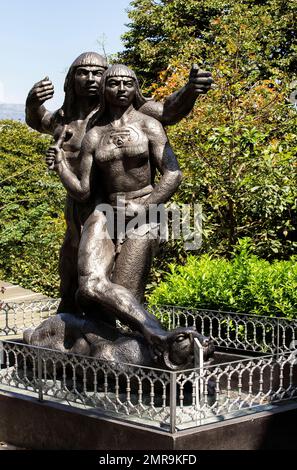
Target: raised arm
[37,116]
[181,102]
[164,160]
[78,188]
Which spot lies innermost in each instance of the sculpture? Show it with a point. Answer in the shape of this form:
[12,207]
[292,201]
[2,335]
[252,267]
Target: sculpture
[81,102]
[69,333]
[119,156]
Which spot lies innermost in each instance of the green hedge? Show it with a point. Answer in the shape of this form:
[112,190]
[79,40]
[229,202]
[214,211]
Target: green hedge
[31,210]
[245,283]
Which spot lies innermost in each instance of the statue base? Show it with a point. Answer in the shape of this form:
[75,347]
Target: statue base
[69,333]
[30,424]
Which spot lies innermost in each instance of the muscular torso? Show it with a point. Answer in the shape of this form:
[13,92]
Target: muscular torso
[78,128]
[72,146]
[122,155]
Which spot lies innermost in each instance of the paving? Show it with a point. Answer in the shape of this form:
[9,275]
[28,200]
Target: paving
[12,293]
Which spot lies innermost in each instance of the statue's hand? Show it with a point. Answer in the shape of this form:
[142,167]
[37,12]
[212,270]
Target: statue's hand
[40,92]
[200,81]
[133,208]
[53,157]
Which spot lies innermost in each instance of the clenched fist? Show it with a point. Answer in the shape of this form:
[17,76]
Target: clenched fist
[54,156]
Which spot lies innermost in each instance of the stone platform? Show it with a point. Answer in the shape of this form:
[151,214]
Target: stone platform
[25,422]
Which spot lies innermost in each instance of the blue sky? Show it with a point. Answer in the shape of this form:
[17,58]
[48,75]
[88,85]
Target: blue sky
[43,38]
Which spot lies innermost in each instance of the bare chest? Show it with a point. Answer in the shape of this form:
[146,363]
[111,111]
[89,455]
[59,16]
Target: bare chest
[76,133]
[120,143]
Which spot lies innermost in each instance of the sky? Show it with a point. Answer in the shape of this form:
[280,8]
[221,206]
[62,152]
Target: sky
[41,39]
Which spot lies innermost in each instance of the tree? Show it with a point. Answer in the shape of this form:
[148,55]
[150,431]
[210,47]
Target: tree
[238,147]
[32,200]
[160,31]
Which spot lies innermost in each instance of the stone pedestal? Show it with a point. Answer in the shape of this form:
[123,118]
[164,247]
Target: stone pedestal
[30,424]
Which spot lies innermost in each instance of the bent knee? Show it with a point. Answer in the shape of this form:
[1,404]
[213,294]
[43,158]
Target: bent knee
[94,289]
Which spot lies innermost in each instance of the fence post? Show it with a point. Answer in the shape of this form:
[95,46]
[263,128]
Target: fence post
[1,354]
[199,364]
[39,373]
[5,308]
[172,402]
[173,318]
[277,339]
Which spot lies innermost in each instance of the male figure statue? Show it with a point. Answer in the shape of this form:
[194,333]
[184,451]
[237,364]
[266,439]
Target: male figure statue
[80,104]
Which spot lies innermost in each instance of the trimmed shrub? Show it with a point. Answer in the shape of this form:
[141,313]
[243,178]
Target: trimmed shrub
[245,283]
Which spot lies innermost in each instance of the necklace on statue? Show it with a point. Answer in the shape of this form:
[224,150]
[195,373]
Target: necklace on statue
[120,135]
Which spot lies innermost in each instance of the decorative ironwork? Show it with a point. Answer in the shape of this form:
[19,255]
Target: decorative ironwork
[170,400]
[16,317]
[120,389]
[164,399]
[239,331]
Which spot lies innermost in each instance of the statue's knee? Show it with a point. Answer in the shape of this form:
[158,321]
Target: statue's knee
[103,289]
[85,291]
[94,289]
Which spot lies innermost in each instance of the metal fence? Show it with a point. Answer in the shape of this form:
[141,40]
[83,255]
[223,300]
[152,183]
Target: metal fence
[238,331]
[231,386]
[168,400]
[15,317]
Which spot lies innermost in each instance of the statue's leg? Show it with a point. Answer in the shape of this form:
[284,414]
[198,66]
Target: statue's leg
[95,263]
[133,265]
[68,261]
[68,276]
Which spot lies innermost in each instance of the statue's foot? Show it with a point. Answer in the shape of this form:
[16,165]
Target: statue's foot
[157,340]
[175,349]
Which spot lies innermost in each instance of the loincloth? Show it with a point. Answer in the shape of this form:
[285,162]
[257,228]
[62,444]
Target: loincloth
[137,227]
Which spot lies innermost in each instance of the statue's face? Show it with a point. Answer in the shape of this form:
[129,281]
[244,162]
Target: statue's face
[120,91]
[87,79]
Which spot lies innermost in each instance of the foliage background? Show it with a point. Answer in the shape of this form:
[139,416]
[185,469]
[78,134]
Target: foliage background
[245,283]
[237,148]
[31,210]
